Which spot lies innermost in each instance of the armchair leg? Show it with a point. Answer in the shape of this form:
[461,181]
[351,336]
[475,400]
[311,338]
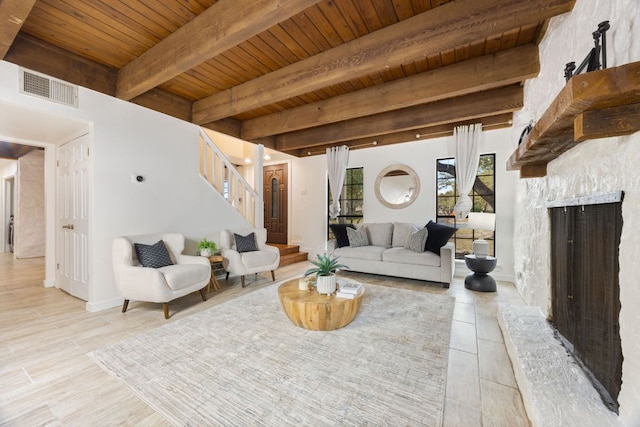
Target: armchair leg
[204,294]
[227,278]
[273,276]
[242,280]
[125,305]
[165,306]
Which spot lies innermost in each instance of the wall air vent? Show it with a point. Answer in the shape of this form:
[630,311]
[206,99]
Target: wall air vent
[43,86]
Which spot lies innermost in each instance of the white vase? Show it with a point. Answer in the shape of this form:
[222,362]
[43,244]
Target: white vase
[205,252]
[326,284]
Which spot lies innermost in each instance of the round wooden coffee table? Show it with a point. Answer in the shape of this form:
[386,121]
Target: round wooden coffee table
[311,310]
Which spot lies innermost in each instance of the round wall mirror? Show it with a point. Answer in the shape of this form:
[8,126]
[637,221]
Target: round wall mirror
[397,186]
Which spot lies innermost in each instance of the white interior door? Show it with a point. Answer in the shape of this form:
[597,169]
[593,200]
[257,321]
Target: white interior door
[73,188]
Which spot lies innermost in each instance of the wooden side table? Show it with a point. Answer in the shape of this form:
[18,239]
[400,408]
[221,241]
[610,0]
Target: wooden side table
[314,311]
[215,260]
[480,280]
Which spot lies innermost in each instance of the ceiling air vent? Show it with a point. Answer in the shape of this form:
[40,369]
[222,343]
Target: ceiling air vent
[46,87]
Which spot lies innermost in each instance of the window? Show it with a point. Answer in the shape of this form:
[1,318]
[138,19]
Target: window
[350,200]
[483,197]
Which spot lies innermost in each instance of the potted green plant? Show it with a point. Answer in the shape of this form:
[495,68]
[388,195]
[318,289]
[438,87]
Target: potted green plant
[325,268]
[207,247]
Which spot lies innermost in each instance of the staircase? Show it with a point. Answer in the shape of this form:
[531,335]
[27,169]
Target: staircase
[289,254]
[224,178]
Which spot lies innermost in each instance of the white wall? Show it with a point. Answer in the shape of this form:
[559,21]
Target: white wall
[591,167]
[309,190]
[29,217]
[128,139]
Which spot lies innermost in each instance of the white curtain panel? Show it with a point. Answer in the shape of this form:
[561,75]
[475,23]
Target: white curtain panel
[467,158]
[337,158]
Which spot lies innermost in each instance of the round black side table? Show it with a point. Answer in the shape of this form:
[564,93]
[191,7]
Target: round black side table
[480,280]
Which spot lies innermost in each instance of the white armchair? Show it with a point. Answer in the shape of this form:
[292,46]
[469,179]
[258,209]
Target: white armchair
[265,258]
[159,285]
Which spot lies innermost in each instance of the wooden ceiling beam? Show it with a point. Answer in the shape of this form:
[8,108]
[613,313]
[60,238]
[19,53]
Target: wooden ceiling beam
[35,54]
[228,126]
[165,102]
[222,26]
[13,13]
[481,104]
[483,73]
[499,121]
[445,27]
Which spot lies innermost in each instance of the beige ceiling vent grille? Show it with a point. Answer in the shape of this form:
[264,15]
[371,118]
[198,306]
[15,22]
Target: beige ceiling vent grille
[43,86]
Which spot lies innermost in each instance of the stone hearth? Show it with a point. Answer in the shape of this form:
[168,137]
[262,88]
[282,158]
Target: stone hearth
[555,390]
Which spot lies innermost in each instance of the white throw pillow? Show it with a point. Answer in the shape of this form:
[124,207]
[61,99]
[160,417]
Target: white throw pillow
[357,237]
[416,240]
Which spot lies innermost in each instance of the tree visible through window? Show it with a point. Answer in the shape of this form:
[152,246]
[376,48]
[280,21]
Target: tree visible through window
[351,198]
[483,197]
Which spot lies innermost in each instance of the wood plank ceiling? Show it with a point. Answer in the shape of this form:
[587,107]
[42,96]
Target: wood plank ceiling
[295,75]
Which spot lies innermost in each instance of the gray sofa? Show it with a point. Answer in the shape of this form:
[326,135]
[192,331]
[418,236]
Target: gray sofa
[387,255]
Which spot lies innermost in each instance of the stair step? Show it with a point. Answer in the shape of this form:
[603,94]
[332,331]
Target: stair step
[289,254]
[285,249]
[292,258]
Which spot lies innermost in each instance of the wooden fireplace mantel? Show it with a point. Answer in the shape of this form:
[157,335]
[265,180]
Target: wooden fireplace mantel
[593,105]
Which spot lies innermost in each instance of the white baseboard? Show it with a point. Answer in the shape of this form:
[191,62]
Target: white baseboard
[104,305]
[504,277]
[48,283]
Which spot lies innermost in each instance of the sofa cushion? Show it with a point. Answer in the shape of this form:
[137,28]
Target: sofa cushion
[438,236]
[407,256]
[153,256]
[379,233]
[400,232]
[258,258]
[180,276]
[340,231]
[368,253]
[416,240]
[357,237]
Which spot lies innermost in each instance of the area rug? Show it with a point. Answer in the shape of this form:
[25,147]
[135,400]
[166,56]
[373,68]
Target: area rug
[242,363]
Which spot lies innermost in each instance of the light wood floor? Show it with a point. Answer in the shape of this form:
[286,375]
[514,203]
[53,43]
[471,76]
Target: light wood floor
[46,378]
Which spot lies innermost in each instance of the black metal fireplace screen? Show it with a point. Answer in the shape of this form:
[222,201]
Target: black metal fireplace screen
[586,291]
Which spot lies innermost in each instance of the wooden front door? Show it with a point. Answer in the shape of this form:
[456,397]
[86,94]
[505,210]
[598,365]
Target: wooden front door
[276,189]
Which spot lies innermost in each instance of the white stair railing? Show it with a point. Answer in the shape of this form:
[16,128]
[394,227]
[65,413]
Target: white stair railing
[223,177]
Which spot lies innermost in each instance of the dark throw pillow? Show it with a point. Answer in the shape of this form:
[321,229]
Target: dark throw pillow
[340,231]
[245,243]
[438,236]
[153,256]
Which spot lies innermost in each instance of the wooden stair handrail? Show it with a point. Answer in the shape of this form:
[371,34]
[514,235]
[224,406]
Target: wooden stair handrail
[216,168]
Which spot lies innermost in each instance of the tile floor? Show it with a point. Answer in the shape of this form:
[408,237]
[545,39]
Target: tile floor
[47,379]
[481,387]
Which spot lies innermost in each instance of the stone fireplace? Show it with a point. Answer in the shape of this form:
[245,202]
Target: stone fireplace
[597,166]
[590,167]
